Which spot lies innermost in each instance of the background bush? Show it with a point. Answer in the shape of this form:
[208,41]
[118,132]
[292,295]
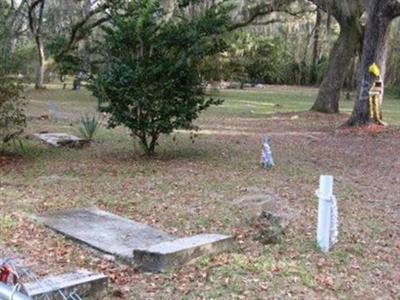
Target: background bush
[150,82]
[12,116]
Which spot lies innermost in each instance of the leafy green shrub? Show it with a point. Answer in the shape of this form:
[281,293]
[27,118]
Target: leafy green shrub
[150,81]
[12,116]
[89,126]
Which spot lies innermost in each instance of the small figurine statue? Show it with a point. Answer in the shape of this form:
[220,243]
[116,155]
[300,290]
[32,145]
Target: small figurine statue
[375,96]
[267,161]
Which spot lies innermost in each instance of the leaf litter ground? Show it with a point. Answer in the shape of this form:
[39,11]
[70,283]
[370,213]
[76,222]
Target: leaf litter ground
[191,188]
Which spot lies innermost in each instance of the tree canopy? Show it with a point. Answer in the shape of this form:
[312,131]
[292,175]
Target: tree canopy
[317,42]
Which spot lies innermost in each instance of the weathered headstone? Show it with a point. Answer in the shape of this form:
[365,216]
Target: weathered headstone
[131,241]
[53,110]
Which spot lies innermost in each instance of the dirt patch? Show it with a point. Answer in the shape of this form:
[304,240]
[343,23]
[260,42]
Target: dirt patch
[8,159]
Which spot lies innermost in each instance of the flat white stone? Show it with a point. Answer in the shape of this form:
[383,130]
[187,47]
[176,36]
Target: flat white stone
[59,139]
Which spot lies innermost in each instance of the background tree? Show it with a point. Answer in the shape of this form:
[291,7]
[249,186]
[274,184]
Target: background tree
[375,49]
[348,15]
[12,117]
[62,25]
[393,62]
[35,18]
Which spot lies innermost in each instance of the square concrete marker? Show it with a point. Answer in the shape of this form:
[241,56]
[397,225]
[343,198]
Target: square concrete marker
[61,139]
[82,282]
[166,255]
[104,231]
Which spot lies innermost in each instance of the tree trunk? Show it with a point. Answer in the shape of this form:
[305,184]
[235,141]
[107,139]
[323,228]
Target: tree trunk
[374,51]
[340,58]
[35,15]
[317,31]
[86,41]
[41,68]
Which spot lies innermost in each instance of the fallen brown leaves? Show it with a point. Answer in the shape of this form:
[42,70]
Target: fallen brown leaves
[191,189]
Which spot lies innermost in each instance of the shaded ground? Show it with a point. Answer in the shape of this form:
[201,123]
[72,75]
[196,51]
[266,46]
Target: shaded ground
[191,188]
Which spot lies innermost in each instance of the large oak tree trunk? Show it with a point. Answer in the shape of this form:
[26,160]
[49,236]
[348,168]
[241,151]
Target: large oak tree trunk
[374,51]
[343,51]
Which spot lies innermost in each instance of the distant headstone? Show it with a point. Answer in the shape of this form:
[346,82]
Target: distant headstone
[235,85]
[53,110]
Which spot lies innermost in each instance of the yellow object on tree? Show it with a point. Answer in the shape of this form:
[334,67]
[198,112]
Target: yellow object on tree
[374,70]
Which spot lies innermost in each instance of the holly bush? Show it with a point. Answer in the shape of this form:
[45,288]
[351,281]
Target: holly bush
[149,80]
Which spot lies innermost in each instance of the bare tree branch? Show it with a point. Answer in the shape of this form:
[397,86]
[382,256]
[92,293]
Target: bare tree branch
[261,10]
[35,28]
[82,28]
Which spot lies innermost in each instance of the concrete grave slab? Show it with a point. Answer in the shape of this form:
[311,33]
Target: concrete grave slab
[148,247]
[61,139]
[104,231]
[166,255]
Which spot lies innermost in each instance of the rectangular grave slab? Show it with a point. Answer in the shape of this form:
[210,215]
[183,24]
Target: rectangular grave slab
[104,231]
[82,282]
[61,139]
[170,254]
[148,247]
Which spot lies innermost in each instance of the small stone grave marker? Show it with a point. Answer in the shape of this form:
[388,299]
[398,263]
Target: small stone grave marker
[81,282]
[53,110]
[78,282]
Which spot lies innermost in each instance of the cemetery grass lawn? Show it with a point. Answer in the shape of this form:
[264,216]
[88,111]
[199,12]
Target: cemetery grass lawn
[191,188]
